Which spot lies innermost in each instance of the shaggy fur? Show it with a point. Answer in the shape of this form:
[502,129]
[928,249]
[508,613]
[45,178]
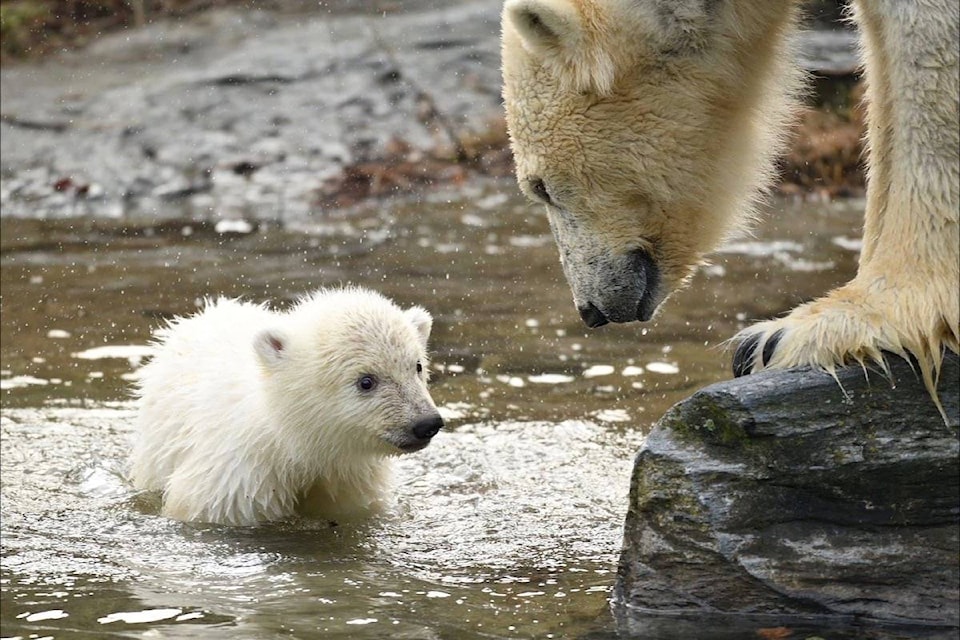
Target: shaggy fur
[248,415]
[649,129]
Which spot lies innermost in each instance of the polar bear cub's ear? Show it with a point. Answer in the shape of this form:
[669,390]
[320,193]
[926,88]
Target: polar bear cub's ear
[422,321]
[271,347]
[555,32]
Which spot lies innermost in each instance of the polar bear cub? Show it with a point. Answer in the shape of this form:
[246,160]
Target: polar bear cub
[249,415]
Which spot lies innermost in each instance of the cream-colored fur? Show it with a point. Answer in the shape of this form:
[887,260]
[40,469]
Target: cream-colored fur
[650,127]
[249,415]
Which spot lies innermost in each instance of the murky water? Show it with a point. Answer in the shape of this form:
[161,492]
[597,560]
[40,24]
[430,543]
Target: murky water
[508,525]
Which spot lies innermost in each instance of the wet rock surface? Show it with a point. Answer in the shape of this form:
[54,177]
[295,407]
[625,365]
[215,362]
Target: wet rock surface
[777,497]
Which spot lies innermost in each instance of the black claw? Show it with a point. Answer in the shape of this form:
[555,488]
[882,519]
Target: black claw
[743,356]
[770,346]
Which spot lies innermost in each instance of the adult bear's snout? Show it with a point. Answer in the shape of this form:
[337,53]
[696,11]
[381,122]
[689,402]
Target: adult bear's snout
[626,289]
[427,426]
[650,297]
[592,316]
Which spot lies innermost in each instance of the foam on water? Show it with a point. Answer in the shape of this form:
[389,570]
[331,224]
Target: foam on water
[665,368]
[598,370]
[15,382]
[131,352]
[550,378]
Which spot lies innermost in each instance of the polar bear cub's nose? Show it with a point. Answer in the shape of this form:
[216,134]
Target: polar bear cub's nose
[427,426]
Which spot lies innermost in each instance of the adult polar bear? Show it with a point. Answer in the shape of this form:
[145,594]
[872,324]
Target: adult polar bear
[649,128]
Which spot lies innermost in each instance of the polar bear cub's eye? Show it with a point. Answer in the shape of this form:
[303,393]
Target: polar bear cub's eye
[419,367]
[539,189]
[366,383]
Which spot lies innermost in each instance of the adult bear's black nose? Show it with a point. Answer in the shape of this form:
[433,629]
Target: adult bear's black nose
[592,316]
[427,427]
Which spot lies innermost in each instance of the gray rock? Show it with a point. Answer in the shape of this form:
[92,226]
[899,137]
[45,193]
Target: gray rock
[787,498]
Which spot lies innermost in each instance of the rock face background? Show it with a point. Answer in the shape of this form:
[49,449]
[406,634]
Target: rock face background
[246,113]
[776,497]
[250,114]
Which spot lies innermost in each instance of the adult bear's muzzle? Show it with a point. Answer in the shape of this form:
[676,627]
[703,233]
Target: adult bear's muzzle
[607,285]
[615,288]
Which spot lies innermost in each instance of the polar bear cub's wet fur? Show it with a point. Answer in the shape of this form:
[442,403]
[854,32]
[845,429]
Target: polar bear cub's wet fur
[249,415]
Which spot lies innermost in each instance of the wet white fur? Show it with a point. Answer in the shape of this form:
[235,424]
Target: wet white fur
[249,415]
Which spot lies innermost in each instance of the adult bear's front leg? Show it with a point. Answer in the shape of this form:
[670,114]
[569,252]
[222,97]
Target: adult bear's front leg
[905,297]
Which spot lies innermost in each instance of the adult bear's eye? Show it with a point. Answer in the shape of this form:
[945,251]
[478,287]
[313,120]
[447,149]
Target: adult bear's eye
[366,383]
[419,368]
[539,189]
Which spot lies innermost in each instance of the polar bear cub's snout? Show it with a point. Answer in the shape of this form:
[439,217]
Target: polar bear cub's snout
[417,434]
[425,428]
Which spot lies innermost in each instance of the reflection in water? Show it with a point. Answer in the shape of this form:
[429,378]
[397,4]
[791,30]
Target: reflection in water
[507,525]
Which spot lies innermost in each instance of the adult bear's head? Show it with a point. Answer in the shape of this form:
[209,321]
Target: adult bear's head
[648,129]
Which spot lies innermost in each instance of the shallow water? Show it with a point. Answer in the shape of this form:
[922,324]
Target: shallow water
[508,525]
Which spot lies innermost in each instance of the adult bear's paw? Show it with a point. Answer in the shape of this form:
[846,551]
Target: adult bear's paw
[855,324]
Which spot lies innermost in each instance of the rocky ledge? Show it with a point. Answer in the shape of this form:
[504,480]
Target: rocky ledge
[785,498]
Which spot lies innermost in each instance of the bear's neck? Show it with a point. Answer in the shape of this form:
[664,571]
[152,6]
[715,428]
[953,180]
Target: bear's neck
[347,491]
[754,97]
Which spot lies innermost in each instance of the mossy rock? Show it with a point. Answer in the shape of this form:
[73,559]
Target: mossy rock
[785,497]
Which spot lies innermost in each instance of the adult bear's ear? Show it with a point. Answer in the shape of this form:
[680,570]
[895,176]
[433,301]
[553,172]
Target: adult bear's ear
[544,24]
[556,34]
[422,321]
[271,347]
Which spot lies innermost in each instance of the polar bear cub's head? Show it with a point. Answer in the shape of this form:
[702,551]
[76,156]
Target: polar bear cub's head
[346,373]
[646,127]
